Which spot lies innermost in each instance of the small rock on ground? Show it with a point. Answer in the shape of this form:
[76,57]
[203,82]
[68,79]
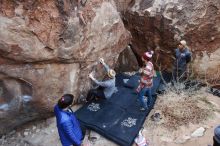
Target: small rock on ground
[198,132]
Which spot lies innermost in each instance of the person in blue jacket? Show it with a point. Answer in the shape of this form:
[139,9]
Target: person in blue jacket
[70,131]
[183,57]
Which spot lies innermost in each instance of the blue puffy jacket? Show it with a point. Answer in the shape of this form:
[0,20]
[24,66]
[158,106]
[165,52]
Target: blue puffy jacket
[68,127]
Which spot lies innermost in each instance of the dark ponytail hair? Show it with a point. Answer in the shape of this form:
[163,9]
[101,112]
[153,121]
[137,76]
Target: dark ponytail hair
[65,101]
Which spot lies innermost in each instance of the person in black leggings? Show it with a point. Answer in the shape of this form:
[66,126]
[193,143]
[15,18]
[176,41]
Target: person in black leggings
[216,137]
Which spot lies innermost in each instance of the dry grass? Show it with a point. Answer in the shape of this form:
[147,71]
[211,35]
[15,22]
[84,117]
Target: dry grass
[182,108]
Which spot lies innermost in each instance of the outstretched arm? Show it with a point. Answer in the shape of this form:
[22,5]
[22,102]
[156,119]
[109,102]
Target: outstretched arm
[103,84]
[106,66]
[101,60]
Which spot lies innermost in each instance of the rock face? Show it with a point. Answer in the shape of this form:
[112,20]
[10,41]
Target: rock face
[46,51]
[162,23]
[123,5]
[127,61]
[151,33]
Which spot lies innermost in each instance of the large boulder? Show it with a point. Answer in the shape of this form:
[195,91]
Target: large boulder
[123,5]
[151,33]
[127,61]
[160,24]
[47,51]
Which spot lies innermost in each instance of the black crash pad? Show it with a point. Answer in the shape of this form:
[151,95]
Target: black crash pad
[119,119]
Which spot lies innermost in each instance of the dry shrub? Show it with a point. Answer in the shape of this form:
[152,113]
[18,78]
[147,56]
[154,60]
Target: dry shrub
[182,109]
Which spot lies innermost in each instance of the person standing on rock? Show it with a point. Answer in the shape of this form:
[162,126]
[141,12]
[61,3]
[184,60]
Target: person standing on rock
[183,57]
[70,131]
[146,81]
[106,88]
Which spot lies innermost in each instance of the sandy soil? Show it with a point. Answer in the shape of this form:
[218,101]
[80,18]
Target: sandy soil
[158,135]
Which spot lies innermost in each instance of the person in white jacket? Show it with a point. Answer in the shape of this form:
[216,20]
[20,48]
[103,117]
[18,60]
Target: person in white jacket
[106,88]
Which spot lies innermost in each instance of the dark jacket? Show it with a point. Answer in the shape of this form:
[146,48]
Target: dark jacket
[182,58]
[68,127]
[217,134]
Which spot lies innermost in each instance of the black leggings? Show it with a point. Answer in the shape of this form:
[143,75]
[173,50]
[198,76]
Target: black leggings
[83,128]
[215,142]
[95,93]
[179,75]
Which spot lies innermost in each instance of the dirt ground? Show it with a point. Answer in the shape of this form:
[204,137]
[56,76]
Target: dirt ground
[158,135]
[44,133]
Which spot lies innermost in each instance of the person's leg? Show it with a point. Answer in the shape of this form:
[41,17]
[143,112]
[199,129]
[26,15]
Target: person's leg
[95,94]
[215,142]
[149,95]
[100,93]
[141,97]
[83,128]
[217,136]
[91,95]
[100,88]
[174,76]
[182,74]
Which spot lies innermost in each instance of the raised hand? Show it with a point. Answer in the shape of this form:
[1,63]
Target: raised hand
[141,70]
[101,60]
[91,76]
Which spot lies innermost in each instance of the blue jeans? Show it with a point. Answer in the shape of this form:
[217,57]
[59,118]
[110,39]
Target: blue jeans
[145,91]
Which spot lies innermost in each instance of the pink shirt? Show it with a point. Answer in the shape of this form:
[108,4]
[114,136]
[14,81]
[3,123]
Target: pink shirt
[147,75]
